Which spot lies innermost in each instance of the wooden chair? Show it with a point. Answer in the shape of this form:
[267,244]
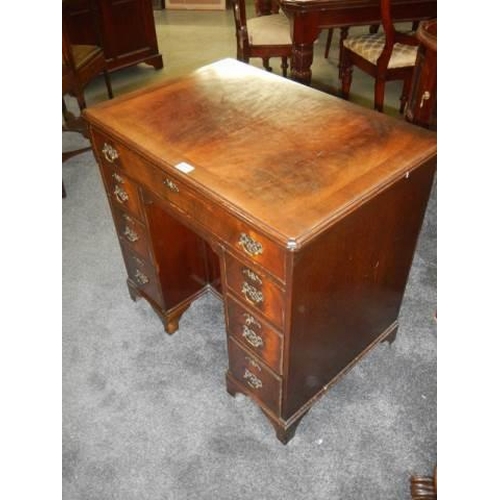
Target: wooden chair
[264,36]
[80,65]
[384,56]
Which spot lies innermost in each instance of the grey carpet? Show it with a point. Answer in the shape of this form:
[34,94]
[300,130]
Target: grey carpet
[146,415]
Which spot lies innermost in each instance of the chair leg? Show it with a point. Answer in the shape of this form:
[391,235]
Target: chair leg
[343,35]
[108,83]
[405,93]
[328,42]
[374,28]
[284,65]
[346,74]
[265,61]
[379,94]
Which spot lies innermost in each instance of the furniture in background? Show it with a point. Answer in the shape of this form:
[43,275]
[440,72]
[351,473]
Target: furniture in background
[307,18]
[125,29]
[421,108]
[384,56]
[311,268]
[196,4]
[80,65]
[264,36]
[343,34]
[265,7]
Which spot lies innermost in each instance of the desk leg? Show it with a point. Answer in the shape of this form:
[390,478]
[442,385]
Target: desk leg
[285,431]
[170,318]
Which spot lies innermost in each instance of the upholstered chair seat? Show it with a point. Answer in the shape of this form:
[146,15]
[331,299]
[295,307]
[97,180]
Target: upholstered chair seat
[370,47]
[269,30]
[82,54]
[265,36]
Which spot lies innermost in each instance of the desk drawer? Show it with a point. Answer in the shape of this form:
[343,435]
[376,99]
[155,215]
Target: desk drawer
[122,191]
[240,236]
[109,151]
[260,382]
[255,334]
[131,232]
[256,289]
[143,275]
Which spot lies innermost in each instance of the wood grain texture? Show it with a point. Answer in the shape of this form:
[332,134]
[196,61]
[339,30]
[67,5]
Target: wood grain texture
[293,185]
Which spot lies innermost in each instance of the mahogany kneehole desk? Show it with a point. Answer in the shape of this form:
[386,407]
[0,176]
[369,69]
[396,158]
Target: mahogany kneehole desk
[300,210]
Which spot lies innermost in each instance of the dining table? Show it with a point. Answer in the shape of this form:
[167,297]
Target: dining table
[308,17]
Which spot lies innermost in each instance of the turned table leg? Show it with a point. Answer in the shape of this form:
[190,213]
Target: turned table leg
[302,58]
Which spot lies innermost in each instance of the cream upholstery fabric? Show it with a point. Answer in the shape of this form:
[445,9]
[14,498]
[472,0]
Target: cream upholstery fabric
[273,29]
[370,47]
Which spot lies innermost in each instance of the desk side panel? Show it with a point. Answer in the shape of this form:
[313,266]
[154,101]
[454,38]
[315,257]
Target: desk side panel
[348,285]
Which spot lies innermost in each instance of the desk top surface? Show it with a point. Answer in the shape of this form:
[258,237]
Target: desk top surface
[277,153]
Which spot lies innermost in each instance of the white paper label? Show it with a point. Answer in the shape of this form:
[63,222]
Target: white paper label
[184,167]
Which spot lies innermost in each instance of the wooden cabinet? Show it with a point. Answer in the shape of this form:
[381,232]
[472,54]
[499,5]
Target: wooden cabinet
[421,107]
[124,28]
[305,231]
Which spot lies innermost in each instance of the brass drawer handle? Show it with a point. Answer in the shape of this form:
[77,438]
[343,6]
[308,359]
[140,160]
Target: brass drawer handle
[171,185]
[140,278]
[251,293]
[250,246]
[252,338]
[120,194]
[251,275]
[131,235]
[109,152]
[425,97]
[118,178]
[250,320]
[253,381]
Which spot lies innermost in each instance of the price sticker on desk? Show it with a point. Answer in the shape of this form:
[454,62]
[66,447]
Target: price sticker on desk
[184,167]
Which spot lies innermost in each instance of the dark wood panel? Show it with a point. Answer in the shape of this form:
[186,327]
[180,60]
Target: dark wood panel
[124,28]
[349,284]
[179,253]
